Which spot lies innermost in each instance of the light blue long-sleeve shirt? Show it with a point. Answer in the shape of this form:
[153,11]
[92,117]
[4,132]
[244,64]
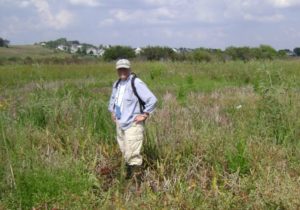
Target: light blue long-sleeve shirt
[131,107]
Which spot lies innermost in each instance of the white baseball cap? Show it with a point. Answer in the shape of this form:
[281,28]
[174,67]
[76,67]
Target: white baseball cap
[123,63]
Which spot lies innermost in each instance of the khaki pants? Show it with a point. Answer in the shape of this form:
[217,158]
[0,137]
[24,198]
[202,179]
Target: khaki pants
[130,142]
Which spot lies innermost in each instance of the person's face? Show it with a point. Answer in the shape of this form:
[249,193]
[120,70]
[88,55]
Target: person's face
[123,73]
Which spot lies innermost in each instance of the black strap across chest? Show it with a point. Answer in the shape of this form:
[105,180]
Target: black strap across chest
[141,102]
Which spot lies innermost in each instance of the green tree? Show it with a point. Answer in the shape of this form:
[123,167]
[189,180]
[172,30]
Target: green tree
[81,51]
[117,52]
[267,52]
[297,51]
[282,53]
[55,43]
[247,53]
[158,53]
[201,54]
[240,53]
[4,42]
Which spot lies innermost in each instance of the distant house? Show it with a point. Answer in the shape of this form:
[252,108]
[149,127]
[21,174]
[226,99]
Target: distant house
[91,51]
[95,51]
[175,50]
[75,47]
[100,52]
[288,52]
[184,50]
[138,51]
[43,44]
[62,47]
[106,46]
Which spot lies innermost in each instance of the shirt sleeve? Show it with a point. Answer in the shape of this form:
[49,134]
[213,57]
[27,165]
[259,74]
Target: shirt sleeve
[112,98]
[146,95]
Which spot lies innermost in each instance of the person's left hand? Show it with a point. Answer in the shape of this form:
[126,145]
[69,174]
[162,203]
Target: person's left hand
[140,118]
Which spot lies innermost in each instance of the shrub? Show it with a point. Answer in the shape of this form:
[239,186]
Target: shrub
[117,52]
[158,53]
[201,55]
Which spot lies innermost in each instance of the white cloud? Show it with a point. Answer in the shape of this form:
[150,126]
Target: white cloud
[12,25]
[164,2]
[292,32]
[205,11]
[195,34]
[180,22]
[107,22]
[284,3]
[90,3]
[191,10]
[152,16]
[20,3]
[253,10]
[58,21]
[24,3]
[215,11]
[15,26]
[270,18]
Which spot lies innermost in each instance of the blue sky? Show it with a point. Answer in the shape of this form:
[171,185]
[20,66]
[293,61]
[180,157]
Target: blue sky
[174,23]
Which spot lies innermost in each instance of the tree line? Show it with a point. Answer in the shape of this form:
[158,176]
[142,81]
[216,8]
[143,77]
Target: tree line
[4,42]
[198,54]
[152,53]
[182,54]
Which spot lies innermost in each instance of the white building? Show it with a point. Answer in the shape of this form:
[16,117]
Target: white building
[62,47]
[138,51]
[100,52]
[175,50]
[74,48]
[91,51]
[106,46]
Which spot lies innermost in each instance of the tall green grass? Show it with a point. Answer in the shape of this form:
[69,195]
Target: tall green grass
[224,136]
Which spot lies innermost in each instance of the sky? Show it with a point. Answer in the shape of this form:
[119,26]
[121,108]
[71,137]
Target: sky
[138,23]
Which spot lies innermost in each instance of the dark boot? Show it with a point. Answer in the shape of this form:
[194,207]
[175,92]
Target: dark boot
[137,174]
[128,171]
[133,171]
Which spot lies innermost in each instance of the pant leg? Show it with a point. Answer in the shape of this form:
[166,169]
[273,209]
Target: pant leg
[120,139]
[134,137]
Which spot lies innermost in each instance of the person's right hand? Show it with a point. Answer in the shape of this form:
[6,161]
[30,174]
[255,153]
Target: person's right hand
[113,117]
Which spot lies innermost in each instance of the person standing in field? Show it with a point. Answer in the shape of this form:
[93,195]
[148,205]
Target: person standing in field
[130,104]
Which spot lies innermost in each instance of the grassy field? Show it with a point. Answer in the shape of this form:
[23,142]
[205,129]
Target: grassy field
[224,136]
[33,51]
